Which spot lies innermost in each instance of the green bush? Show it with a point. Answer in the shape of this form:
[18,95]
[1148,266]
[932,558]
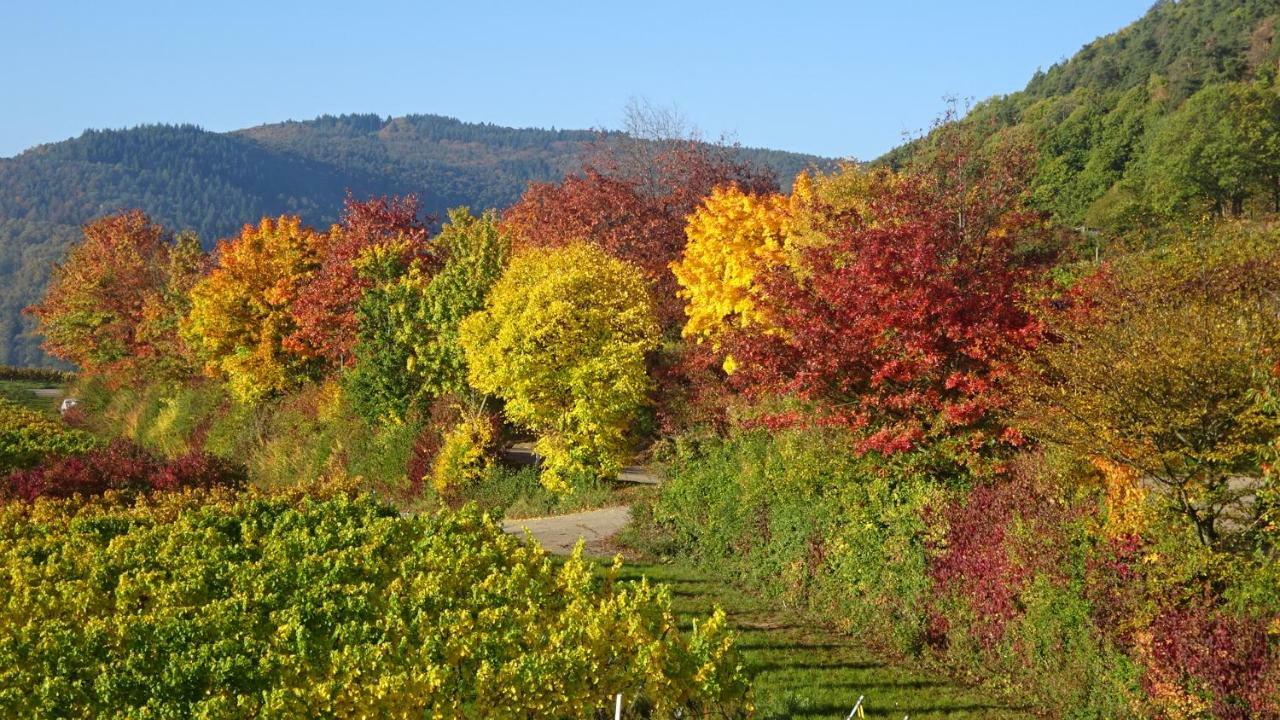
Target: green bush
[799,516]
[216,605]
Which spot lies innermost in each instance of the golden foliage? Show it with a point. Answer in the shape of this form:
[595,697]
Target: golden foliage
[242,311]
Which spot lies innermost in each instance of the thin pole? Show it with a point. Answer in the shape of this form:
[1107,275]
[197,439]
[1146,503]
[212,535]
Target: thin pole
[617,707]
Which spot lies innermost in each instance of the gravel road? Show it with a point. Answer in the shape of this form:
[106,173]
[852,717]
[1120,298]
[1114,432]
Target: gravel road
[558,534]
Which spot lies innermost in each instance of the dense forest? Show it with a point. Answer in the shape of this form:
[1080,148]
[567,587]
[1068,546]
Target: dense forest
[210,182]
[1173,117]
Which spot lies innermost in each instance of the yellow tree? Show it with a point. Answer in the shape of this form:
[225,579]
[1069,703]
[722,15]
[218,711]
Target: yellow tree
[562,340]
[242,310]
[733,237]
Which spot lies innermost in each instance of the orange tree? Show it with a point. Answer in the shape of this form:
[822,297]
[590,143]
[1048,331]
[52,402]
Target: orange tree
[242,311]
[109,301]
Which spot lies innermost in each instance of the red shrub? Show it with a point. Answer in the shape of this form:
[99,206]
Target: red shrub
[1114,585]
[986,561]
[120,466]
[1226,660]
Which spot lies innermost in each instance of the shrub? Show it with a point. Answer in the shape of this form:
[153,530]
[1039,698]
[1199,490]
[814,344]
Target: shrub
[1200,659]
[26,436]
[119,466]
[465,453]
[213,605]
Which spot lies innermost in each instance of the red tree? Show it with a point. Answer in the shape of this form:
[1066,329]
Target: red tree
[325,308]
[905,325]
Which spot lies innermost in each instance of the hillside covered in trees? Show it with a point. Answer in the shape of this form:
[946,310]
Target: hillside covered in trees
[1171,118]
[210,182]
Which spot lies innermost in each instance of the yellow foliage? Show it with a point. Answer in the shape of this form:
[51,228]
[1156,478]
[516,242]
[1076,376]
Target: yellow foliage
[211,604]
[1126,498]
[733,237]
[241,311]
[562,340]
[463,457]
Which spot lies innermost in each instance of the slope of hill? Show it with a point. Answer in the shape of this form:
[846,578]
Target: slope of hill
[1114,128]
[187,177]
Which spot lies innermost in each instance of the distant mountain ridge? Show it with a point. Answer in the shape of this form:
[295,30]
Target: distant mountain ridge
[210,182]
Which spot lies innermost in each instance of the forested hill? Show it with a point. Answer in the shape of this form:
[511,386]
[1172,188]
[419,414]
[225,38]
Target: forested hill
[187,177]
[1174,116]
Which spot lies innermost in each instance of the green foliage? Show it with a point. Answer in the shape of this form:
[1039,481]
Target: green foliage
[199,605]
[856,542]
[26,436]
[1121,142]
[1221,147]
[802,518]
[408,353]
[562,340]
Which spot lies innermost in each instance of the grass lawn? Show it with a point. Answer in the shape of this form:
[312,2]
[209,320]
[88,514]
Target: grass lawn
[20,392]
[802,670]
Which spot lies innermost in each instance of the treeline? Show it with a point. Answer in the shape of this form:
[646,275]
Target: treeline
[1027,464]
[188,178]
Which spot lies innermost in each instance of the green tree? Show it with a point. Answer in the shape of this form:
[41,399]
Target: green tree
[1221,147]
[562,340]
[407,348]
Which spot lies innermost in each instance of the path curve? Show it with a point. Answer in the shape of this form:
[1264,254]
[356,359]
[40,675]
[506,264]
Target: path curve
[559,533]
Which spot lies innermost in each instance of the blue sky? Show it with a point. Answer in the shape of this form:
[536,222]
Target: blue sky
[833,78]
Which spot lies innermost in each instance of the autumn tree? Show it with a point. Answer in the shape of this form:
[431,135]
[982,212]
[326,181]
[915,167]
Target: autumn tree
[733,238]
[407,347]
[903,321]
[631,199]
[110,302]
[325,309]
[162,313]
[242,312]
[562,341]
[1165,373]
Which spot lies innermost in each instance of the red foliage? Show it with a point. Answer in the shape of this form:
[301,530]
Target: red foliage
[119,466]
[325,308]
[1114,586]
[976,561]
[1227,657]
[907,322]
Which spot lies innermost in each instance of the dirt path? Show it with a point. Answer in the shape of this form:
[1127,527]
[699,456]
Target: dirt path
[559,533]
